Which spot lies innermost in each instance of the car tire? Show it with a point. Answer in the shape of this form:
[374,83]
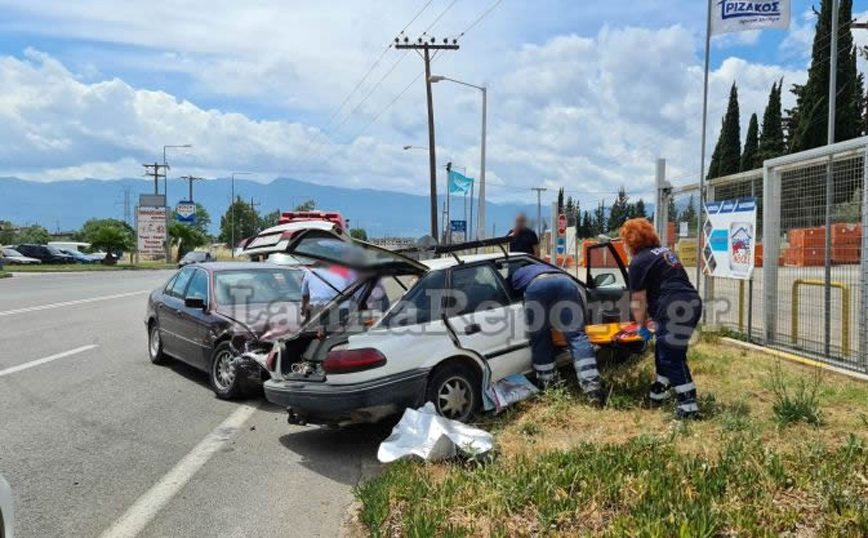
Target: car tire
[225,379]
[155,344]
[454,389]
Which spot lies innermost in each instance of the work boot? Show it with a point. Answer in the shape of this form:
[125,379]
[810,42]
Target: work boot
[687,409]
[596,397]
[547,376]
[658,394]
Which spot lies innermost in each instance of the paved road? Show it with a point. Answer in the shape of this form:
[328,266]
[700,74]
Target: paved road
[97,442]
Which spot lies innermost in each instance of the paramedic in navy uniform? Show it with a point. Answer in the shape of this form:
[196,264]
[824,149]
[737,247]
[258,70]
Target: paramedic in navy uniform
[661,290]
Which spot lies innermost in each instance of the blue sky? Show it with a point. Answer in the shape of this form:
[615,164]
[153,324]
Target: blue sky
[583,95]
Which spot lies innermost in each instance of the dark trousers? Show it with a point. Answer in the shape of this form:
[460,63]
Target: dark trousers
[553,302]
[676,320]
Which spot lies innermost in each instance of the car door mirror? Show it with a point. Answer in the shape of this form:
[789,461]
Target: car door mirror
[194,302]
[604,279]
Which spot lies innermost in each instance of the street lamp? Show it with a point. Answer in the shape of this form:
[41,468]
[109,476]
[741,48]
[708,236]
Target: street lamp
[166,167]
[232,208]
[424,148]
[480,227]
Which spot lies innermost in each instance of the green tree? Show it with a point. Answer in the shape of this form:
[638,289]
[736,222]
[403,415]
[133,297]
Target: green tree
[186,238]
[8,234]
[599,221]
[34,234]
[620,211]
[240,217]
[807,121]
[111,237]
[689,215]
[587,226]
[269,219]
[750,158]
[570,210]
[560,200]
[673,211]
[639,209]
[727,153]
[92,226]
[772,142]
[307,205]
[359,233]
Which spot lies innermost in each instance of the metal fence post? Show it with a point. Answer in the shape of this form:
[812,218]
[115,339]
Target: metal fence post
[771,250]
[863,286]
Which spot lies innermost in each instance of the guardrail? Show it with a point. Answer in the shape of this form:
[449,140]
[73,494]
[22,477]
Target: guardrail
[845,310]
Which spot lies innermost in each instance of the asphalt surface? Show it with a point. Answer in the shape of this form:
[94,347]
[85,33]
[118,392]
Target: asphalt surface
[98,442]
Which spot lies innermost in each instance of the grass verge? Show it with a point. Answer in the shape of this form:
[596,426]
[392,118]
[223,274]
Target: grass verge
[5,274]
[782,452]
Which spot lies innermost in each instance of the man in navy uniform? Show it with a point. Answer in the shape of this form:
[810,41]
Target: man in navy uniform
[552,301]
[523,238]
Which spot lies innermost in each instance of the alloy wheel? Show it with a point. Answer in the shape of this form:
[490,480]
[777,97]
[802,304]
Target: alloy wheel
[154,342]
[455,398]
[224,370]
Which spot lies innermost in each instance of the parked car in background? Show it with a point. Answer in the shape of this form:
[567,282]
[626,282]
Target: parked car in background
[448,327]
[79,257]
[209,315]
[7,512]
[10,256]
[44,253]
[195,256]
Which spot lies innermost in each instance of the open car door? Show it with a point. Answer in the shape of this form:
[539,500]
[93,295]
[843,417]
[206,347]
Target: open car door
[607,282]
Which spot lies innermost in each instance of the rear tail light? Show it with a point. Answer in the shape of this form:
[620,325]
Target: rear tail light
[271,360]
[352,360]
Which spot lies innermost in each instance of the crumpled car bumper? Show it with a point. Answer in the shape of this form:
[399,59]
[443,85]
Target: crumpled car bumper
[370,401]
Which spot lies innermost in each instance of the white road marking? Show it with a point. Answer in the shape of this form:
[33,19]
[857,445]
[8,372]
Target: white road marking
[50,358]
[70,303]
[148,505]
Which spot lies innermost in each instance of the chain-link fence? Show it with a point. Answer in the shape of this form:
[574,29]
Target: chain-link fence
[807,290]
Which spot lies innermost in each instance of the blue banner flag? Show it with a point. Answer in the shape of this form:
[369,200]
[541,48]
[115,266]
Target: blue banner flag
[459,183]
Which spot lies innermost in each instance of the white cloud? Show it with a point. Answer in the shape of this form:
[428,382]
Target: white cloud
[587,112]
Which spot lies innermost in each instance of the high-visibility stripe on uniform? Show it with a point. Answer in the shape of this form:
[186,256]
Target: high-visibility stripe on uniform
[544,367]
[681,389]
[689,407]
[663,380]
[581,363]
[659,395]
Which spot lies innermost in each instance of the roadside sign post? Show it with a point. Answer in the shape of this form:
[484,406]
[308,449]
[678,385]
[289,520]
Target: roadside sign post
[186,212]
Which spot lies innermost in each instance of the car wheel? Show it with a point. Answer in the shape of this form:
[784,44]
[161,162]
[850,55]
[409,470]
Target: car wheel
[454,390]
[224,376]
[155,344]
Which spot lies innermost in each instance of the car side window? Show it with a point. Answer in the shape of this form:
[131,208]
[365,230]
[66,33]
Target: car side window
[198,288]
[506,268]
[420,304]
[180,285]
[481,287]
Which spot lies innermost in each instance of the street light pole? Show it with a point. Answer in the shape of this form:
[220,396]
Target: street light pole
[166,167]
[480,226]
[232,210]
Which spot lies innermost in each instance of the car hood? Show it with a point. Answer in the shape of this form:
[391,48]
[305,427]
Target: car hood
[267,321]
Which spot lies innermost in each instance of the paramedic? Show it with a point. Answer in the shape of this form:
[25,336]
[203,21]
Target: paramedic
[552,301]
[661,290]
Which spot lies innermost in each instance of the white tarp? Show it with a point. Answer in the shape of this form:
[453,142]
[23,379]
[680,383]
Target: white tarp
[739,15]
[423,433]
[730,238]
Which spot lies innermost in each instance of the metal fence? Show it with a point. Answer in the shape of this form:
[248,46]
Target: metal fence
[807,291]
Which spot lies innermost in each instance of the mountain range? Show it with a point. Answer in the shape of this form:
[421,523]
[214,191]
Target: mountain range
[66,205]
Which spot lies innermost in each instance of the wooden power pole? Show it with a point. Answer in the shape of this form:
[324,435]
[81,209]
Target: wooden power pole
[426,46]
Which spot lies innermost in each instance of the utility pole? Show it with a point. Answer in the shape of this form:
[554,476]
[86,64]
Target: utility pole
[253,206]
[539,191]
[156,171]
[127,213]
[190,180]
[426,47]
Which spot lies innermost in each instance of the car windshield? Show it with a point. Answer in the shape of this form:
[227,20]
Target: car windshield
[257,286]
[12,252]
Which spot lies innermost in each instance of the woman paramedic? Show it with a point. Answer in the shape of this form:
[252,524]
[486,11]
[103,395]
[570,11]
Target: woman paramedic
[660,290]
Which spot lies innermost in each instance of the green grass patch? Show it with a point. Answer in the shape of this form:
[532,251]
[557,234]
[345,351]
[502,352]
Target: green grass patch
[780,452]
[5,274]
[643,488]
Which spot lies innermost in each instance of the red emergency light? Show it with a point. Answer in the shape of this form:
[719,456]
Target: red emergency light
[303,216]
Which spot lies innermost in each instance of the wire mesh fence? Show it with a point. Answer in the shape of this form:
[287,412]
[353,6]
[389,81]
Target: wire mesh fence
[806,293]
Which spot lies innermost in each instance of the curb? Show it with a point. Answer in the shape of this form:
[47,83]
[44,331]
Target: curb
[793,358]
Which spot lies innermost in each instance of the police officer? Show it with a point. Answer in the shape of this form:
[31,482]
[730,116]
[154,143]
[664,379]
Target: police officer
[552,301]
[660,289]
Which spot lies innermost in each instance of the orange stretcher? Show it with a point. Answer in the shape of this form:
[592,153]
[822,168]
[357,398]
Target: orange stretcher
[605,334]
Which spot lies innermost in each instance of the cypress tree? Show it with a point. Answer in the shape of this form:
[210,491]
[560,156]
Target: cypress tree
[807,122]
[726,158]
[750,157]
[639,209]
[772,143]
